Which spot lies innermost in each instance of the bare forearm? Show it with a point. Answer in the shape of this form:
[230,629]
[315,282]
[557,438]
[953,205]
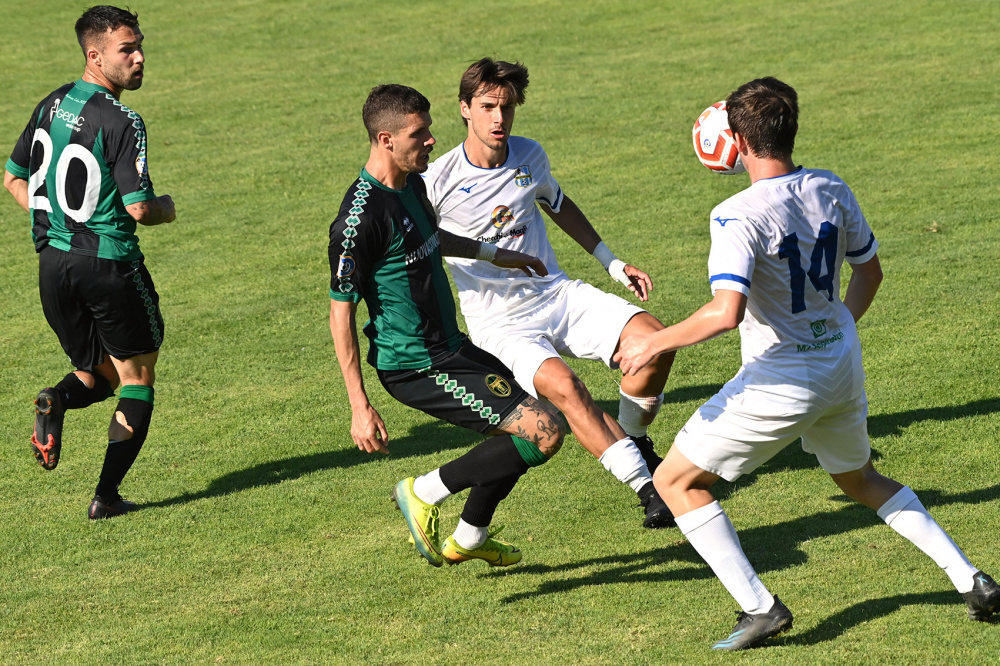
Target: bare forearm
[18,188]
[865,281]
[345,344]
[576,225]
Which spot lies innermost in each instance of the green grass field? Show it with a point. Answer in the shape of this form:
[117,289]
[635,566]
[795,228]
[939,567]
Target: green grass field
[267,538]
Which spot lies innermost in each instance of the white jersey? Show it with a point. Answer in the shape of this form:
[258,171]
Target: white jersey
[782,242]
[497,206]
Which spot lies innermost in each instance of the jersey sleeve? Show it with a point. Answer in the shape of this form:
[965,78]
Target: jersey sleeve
[861,243]
[357,241]
[732,257]
[548,191]
[126,152]
[20,158]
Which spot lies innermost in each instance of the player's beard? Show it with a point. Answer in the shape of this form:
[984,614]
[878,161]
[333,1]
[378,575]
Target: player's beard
[124,77]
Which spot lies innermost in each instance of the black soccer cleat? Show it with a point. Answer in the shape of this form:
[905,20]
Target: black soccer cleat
[751,630]
[46,439]
[102,508]
[984,598]
[657,512]
[649,454]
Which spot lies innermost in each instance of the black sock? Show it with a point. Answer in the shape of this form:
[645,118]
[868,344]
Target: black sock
[76,395]
[649,454]
[123,445]
[491,461]
[483,501]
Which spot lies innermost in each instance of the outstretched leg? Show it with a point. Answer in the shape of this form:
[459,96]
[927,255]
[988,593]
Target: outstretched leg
[901,510]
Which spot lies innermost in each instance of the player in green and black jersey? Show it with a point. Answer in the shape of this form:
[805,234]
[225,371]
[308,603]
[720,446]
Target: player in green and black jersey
[385,248]
[79,168]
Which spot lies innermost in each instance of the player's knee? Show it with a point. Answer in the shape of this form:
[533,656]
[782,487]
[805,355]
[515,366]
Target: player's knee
[569,394]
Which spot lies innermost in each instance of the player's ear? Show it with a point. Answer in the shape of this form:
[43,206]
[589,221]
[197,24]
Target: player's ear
[741,143]
[384,140]
[464,108]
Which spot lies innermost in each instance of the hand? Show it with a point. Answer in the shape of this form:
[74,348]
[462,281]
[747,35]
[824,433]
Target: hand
[630,276]
[526,262]
[169,210]
[368,430]
[634,353]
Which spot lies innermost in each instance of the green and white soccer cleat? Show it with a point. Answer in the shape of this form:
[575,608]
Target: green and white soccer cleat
[494,552]
[421,519]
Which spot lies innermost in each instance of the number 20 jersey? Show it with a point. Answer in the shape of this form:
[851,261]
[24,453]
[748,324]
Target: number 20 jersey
[83,154]
[782,242]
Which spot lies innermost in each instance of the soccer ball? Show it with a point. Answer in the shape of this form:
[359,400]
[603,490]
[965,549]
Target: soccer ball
[713,141]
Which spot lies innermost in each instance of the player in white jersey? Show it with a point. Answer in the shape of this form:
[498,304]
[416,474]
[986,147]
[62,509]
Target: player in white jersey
[490,188]
[774,266]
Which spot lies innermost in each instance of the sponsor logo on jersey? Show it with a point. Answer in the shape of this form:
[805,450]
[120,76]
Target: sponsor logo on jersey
[498,385]
[522,176]
[722,220]
[424,250]
[822,344]
[516,232]
[818,328]
[407,225]
[73,121]
[346,266]
[468,190]
[501,216]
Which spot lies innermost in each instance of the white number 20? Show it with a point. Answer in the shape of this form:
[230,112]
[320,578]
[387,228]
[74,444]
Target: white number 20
[72,151]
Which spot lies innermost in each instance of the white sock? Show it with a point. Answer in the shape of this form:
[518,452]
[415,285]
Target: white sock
[635,414]
[429,488]
[711,534]
[624,461]
[904,513]
[469,536]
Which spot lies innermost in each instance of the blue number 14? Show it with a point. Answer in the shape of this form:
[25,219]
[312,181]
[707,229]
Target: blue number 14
[824,252]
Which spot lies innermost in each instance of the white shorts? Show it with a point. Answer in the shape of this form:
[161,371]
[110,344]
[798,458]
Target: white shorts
[573,319]
[742,427]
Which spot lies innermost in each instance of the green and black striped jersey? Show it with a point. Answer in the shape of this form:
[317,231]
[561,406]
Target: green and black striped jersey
[83,154]
[384,249]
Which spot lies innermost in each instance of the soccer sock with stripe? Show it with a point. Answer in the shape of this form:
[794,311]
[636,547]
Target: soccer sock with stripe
[77,395]
[126,434]
[904,513]
[710,532]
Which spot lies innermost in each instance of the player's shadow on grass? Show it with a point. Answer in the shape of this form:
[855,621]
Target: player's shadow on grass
[769,548]
[424,439]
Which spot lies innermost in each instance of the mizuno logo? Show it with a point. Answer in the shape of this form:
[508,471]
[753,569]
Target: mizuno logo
[468,190]
[722,220]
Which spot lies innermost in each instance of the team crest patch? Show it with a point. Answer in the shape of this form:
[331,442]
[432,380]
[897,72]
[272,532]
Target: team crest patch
[140,165]
[501,217]
[522,177]
[346,266]
[498,385]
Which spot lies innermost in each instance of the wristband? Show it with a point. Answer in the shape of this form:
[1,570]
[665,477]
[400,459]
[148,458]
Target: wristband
[604,255]
[487,252]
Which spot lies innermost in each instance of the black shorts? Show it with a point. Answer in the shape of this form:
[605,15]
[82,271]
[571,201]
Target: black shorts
[469,388]
[97,306]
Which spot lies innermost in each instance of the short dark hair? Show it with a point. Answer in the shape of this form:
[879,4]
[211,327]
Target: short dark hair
[387,106]
[488,73]
[766,113]
[97,21]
